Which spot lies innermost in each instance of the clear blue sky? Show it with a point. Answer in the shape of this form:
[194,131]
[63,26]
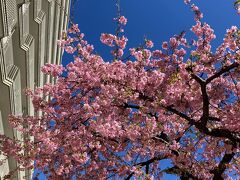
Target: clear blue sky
[158,20]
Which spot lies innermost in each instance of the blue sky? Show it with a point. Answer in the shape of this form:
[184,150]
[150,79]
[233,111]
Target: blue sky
[158,20]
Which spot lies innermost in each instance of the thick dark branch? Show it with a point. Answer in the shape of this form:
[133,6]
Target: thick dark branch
[147,163]
[162,137]
[214,119]
[219,170]
[203,84]
[158,158]
[198,79]
[205,99]
[182,115]
[183,173]
[221,133]
[127,105]
[222,71]
[147,168]
[129,176]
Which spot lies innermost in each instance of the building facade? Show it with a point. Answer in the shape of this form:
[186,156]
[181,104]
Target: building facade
[29,30]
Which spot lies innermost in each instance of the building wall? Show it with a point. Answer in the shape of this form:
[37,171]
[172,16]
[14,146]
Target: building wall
[29,30]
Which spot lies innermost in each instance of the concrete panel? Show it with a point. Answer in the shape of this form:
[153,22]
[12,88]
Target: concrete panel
[56,31]
[1,23]
[7,54]
[24,23]
[4,167]
[35,36]
[30,76]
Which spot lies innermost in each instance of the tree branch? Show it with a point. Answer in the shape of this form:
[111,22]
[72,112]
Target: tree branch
[182,115]
[205,99]
[147,168]
[183,173]
[222,71]
[221,133]
[158,158]
[219,170]
[198,79]
[203,84]
[129,176]
[146,163]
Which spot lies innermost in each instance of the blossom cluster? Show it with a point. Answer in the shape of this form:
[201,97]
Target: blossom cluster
[120,119]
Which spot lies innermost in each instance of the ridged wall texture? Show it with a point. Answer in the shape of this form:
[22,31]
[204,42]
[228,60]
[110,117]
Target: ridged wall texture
[29,30]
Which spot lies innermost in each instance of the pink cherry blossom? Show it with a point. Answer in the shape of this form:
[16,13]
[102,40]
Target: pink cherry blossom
[108,39]
[121,42]
[121,118]
[122,20]
[165,45]
[149,43]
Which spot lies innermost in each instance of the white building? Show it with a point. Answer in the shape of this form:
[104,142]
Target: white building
[29,30]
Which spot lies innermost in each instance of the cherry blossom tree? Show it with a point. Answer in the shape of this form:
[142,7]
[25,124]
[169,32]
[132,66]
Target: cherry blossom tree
[237,6]
[120,119]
